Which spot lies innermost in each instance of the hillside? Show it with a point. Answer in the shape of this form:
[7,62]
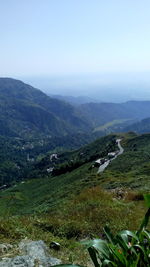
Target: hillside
[73,172]
[17,155]
[33,126]
[78,202]
[27,112]
[142,126]
[101,113]
[132,168]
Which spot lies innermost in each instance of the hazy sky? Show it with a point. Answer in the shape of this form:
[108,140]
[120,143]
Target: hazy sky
[46,37]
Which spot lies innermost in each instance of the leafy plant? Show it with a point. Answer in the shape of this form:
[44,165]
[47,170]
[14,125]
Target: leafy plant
[126,249]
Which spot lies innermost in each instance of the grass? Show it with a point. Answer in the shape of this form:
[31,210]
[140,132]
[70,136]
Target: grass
[126,249]
[111,124]
[76,205]
[40,195]
[81,217]
[132,168]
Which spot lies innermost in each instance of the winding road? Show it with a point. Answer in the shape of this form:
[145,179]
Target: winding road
[121,150]
[105,165]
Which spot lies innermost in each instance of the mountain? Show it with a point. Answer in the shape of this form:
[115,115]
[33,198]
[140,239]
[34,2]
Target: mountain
[142,126]
[78,100]
[100,113]
[26,111]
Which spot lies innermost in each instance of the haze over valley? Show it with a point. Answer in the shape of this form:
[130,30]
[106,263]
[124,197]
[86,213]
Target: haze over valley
[114,87]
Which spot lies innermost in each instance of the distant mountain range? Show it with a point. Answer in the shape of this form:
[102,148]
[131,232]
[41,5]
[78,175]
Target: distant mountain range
[142,126]
[28,112]
[100,113]
[74,100]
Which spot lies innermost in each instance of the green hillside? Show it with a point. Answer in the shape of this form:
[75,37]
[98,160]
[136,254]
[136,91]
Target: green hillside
[142,126]
[79,202]
[19,156]
[28,112]
[132,168]
[113,126]
[98,114]
[73,171]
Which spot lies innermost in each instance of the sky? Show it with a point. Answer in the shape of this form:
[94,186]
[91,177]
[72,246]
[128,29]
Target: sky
[74,36]
[51,38]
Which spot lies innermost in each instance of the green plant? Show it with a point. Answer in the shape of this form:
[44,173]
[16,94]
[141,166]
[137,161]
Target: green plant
[126,249]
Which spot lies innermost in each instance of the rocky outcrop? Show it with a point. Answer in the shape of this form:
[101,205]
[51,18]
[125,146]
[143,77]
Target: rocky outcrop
[34,254]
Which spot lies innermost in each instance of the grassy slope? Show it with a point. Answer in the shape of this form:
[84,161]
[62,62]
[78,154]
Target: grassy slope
[84,216]
[41,194]
[132,168]
[110,124]
[72,206]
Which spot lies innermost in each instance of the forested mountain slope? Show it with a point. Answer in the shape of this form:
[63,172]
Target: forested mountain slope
[26,111]
[142,126]
[100,113]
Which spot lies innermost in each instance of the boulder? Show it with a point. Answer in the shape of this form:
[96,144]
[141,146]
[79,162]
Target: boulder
[35,254]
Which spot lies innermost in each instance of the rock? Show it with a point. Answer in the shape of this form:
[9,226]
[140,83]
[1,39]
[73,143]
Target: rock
[34,249]
[4,248]
[35,255]
[19,261]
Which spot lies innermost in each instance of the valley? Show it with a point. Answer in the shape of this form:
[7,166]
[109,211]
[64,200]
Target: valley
[67,171]
[74,133]
[71,172]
